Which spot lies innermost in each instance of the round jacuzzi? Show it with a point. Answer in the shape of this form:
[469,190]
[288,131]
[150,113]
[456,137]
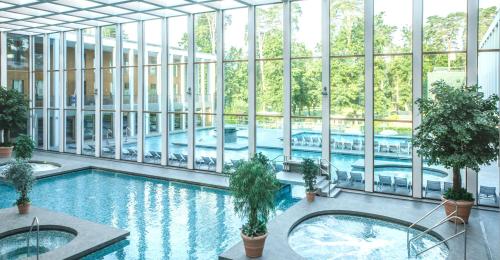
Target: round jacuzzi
[37,166]
[15,246]
[338,236]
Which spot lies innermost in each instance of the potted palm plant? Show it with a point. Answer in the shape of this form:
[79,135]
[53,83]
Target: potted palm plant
[13,118]
[20,174]
[309,170]
[23,148]
[458,130]
[253,186]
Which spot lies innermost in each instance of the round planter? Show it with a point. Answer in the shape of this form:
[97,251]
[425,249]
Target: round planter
[463,208]
[24,208]
[310,196]
[254,245]
[6,152]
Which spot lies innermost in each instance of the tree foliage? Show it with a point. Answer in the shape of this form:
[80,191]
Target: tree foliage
[309,173]
[13,112]
[23,149]
[20,174]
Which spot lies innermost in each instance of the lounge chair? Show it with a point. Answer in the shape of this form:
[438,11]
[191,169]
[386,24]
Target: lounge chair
[384,181]
[157,155]
[339,145]
[357,177]
[433,186]
[404,148]
[486,192]
[356,144]
[348,145]
[308,141]
[207,161]
[214,160]
[376,146]
[300,140]
[180,158]
[393,148]
[383,148]
[400,182]
[342,176]
[447,186]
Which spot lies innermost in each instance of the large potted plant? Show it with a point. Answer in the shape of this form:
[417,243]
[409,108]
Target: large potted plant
[309,174]
[253,186]
[20,174]
[13,118]
[23,148]
[458,130]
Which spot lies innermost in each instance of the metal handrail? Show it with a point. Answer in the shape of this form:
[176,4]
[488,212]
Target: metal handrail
[35,220]
[464,232]
[329,172]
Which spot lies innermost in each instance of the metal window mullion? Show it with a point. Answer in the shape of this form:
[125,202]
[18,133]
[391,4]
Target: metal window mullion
[190,90]
[31,84]
[45,90]
[220,91]
[164,92]
[472,70]
[325,79]
[98,87]
[369,158]
[252,123]
[62,87]
[417,25]
[140,91]
[287,78]
[78,92]
[3,59]
[118,90]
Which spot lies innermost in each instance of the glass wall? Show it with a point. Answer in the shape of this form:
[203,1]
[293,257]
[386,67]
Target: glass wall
[88,91]
[108,90]
[54,86]
[347,90]
[235,85]
[70,92]
[37,77]
[444,58]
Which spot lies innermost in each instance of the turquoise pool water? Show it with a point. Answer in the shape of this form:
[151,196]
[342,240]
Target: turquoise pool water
[166,220]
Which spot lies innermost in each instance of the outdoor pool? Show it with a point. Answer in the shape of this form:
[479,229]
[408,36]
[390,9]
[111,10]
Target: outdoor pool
[166,220]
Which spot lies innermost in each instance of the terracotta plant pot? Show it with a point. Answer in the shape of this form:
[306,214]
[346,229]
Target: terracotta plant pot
[254,245]
[6,152]
[463,208]
[310,196]
[24,208]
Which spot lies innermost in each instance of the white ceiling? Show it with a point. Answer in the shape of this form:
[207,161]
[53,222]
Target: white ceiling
[47,16]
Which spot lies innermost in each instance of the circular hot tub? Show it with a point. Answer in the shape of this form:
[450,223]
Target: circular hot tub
[38,166]
[339,236]
[15,246]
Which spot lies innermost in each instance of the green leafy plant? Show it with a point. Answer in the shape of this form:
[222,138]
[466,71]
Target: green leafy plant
[20,174]
[23,148]
[458,130]
[253,186]
[309,171]
[13,113]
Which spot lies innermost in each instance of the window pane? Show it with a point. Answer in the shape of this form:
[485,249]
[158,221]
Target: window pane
[88,89]
[70,128]
[54,89]
[488,76]
[108,135]
[129,44]
[177,36]
[177,83]
[236,34]
[235,139]
[70,89]
[38,89]
[269,87]
[205,140]
[270,135]
[152,137]
[445,25]
[269,31]
[130,88]
[308,130]
[205,35]
[129,136]
[53,131]
[70,38]
[38,53]
[18,80]
[346,27]
[306,28]
[205,88]
[488,184]
[152,41]
[54,50]
[88,136]
[177,139]
[17,52]
[38,128]
[89,46]
[108,88]
[393,20]
[447,67]
[108,41]
[152,88]
[306,87]
[348,88]
[236,87]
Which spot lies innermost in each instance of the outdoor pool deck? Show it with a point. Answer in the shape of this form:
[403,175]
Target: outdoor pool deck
[89,237]
[483,230]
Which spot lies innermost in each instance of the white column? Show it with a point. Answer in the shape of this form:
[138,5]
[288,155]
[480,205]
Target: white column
[3,59]
[140,92]
[45,91]
[190,85]
[369,95]
[417,25]
[62,93]
[98,91]
[472,34]
[31,88]
[164,91]
[118,129]
[220,91]
[287,79]
[78,91]
[252,123]
[325,78]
